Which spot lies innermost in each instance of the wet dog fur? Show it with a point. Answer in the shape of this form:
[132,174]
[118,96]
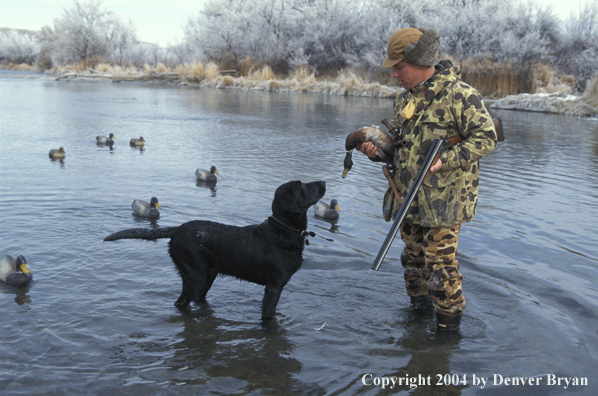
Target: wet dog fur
[267,254]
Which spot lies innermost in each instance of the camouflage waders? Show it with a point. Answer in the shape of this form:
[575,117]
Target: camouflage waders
[431,267]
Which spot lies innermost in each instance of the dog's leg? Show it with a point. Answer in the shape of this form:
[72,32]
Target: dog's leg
[190,272]
[184,300]
[271,297]
[208,280]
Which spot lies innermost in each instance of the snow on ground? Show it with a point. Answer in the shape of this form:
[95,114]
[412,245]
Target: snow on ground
[556,103]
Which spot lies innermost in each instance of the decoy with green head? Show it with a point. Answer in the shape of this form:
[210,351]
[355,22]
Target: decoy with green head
[15,271]
[57,153]
[109,140]
[328,211]
[207,175]
[146,209]
[137,142]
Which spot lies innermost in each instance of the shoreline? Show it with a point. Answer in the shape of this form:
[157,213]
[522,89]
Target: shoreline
[346,84]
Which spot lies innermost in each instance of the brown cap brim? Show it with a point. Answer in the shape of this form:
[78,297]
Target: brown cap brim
[391,62]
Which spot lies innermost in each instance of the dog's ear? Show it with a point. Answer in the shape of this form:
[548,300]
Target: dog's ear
[287,198]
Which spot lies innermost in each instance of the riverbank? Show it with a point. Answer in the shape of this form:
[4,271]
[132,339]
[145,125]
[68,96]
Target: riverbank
[345,83]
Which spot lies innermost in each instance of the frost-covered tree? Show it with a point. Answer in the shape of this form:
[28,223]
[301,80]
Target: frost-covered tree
[326,31]
[578,53]
[18,47]
[87,32]
[236,29]
[123,43]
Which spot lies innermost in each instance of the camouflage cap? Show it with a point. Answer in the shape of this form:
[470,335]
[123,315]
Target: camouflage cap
[416,46]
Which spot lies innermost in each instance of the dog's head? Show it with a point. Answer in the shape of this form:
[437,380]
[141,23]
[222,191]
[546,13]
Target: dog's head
[293,199]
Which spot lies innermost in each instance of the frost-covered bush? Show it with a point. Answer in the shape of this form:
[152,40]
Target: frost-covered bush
[88,32]
[18,47]
[578,51]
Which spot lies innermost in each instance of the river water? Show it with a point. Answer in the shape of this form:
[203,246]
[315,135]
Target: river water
[99,319]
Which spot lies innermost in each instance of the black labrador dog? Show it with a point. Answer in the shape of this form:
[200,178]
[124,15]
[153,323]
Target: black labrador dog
[267,254]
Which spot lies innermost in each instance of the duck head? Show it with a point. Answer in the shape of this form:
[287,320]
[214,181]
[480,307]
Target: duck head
[154,203]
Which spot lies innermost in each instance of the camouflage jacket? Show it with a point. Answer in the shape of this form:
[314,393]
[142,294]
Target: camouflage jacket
[446,106]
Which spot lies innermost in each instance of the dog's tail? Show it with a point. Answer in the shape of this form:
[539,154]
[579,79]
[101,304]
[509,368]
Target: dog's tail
[142,233]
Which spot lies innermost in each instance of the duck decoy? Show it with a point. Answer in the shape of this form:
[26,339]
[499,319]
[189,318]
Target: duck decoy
[137,142]
[328,211]
[106,140]
[15,271]
[57,153]
[146,209]
[382,139]
[207,175]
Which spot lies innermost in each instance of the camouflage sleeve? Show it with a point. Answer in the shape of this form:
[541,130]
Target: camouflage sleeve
[475,126]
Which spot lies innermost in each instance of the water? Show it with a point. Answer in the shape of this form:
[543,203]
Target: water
[99,319]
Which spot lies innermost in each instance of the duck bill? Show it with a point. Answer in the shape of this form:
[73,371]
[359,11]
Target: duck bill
[337,208]
[24,268]
[158,206]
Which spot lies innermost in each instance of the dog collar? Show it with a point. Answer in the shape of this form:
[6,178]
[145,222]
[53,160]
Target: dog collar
[302,233]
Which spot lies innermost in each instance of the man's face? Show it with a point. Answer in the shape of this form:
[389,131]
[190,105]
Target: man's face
[408,75]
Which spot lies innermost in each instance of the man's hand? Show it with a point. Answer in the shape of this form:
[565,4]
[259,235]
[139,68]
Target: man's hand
[369,149]
[436,167]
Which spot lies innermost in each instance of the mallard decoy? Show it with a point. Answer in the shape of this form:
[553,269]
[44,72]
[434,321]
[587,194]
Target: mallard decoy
[328,211]
[15,271]
[146,209]
[137,142]
[106,140]
[207,175]
[382,139]
[57,153]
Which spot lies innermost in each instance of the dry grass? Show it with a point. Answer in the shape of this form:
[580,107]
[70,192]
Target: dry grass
[225,81]
[546,80]
[212,71]
[263,74]
[495,80]
[20,66]
[498,80]
[192,72]
[161,68]
[591,93]
[246,66]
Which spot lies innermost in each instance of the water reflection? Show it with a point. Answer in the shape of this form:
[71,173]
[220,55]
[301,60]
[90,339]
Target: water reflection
[218,355]
[151,221]
[431,355]
[110,146]
[208,185]
[21,292]
[61,161]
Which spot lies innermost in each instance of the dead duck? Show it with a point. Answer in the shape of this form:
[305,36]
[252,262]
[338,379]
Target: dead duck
[207,175]
[137,142]
[15,271]
[57,153]
[106,140]
[328,211]
[146,209]
[380,138]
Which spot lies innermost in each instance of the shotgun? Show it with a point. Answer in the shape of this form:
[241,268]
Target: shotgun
[438,146]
